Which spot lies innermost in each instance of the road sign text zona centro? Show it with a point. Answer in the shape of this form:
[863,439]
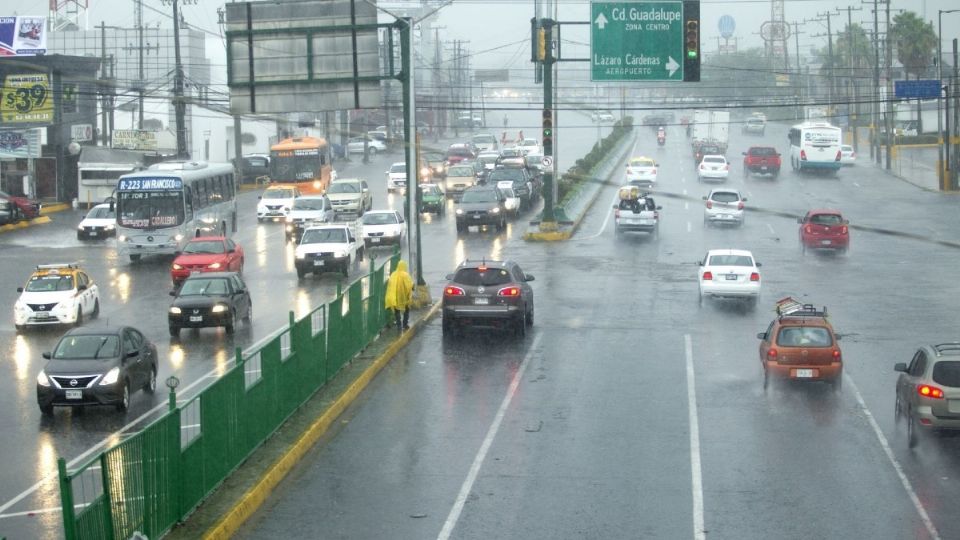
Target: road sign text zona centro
[636,40]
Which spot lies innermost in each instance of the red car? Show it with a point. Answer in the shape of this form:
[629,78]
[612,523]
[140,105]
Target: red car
[824,229]
[206,254]
[25,208]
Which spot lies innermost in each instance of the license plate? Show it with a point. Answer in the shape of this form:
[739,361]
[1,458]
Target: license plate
[803,373]
[375,240]
[731,277]
[43,316]
[93,233]
[481,300]
[825,242]
[318,263]
[74,394]
[477,217]
[646,222]
[196,318]
[763,168]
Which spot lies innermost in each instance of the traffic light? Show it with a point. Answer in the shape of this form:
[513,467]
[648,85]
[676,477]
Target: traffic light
[691,40]
[541,44]
[548,132]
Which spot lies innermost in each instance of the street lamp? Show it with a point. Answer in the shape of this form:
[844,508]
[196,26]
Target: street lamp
[944,145]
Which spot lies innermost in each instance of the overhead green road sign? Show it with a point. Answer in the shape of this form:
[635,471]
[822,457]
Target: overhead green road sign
[636,41]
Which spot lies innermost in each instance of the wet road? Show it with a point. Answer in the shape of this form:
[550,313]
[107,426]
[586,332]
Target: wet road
[630,411]
[137,294]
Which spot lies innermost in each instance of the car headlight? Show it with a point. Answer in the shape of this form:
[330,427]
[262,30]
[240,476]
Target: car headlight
[177,266]
[290,227]
[301,256]
[178,237]
[42,379]
[174,310]
[110,227]
[425,171]
[214,266]
[339,254]
[121,238]
[20,306]
[495,210]
[111,377]
[219,308]
[80,226]
[316,184]
[459,211]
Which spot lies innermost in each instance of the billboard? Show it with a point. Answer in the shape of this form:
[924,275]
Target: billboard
[23,36]
[26,98]
[23,143]
[133,139]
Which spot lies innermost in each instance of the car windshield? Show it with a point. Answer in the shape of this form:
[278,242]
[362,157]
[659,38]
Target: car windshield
[87,347]
[725,196]
[947,373]
[379,218]
[344,187]
[101,212]
[204,247]
[482,277]
[278,194]
[204,287]
[460,171]
[505,174]
[398,168]
[308,204]
[730,260]
[324,236]
[488,159]
[484,139]
[50,283]
[478,196]
[804,336]
[511,153]
[459,152]
[826,219]
[846,148]
[507,192]
[763,151]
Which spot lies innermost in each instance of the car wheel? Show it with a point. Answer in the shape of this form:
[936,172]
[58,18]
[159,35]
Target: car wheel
[447,326]
[96,309]
[766,378]
[300,273]
[360,254]
[911,430]
[896,410]
[699,297]
[79,320]
[174,331]
[46,410]
[230,327]
[151,385]
[520,325]
[530,318]
[346,268]
[460,228]
[124,402]
[19,328]
[249,314]
[134,257]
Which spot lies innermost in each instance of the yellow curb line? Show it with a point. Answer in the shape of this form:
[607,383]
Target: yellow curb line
[55,207]
[24,224]
[554,236]
[254,498]
[250,187]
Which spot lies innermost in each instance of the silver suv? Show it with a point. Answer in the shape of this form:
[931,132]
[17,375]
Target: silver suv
[928,390]
[350,195]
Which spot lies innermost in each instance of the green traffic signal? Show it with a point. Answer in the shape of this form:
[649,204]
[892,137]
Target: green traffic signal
[691,54]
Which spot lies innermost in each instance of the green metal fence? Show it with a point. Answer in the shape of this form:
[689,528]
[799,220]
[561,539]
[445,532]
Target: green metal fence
[154,479]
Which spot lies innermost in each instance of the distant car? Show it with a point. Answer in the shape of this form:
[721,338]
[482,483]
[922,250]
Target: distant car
[437,162]
[459,178]
[847,155]
[928,389]
[275,202]
[100,222]
[636,212]
[724,206]
[731,274]
[480,206]
[206,254]
[488,294]
[350,196]
[800,345]
[97,366]
[642,171]
[824,229]
[26,208]
[485,142]
[511,200]
[460,152]
[383,228]
[210,300]
[432,199]
[306,211]
[713,167]
[512,157]
[761,160]
[374,146]
[523,184]
[8,212]
[604,116]
[755,125]
[529,146]
[397,177]
[56,294]
[255,168]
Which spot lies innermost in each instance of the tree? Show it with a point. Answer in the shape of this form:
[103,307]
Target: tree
[915,42]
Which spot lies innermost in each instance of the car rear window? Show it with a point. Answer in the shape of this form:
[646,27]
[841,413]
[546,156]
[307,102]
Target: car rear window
[709,159]
[730,260]
[762,151]
[826,219]
[479,196]
[476,277]
[725,196]
[641,163]
[947,373]
[460,171]
[804,336]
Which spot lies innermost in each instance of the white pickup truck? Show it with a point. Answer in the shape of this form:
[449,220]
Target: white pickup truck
[329,248]
[640,215]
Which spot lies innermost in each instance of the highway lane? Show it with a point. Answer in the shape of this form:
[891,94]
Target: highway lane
[583,429]
[137,294]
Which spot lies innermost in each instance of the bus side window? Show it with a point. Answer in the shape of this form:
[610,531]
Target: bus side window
[188,203]
[231,189]
[201,199]
[216,194]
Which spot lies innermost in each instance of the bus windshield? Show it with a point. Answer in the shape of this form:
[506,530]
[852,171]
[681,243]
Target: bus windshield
[294,168]
[150,209]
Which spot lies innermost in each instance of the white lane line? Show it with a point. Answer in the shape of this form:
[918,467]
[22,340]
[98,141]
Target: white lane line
[467,486]
[924,517]
[689,227]
[696,474]
[606,220]
[686,206]
[772,231]
[684,191]
[40,511]
[856,184]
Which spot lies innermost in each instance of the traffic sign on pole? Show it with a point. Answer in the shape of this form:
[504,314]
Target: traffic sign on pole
[918,89]
[637,40]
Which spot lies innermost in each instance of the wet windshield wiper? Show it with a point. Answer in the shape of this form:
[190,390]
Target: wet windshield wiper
[96,354]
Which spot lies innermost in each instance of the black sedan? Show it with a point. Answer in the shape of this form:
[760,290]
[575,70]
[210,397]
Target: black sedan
[481,205]
[97,366]
[488,294]
[210,299]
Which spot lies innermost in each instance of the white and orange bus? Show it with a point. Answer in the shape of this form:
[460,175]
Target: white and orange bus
[303,162]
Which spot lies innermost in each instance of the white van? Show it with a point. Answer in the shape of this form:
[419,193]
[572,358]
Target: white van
[815,146]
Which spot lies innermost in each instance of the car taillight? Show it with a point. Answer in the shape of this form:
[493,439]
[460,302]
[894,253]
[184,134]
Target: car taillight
[807,229]
[450,290]
[926,390]
[709,204]
[843,230]
[726,167]
[708,276]
[654,171]
[803,155]
[740,205]
[509,291]
[853,154]
[616,214]
[836,355]
[772,353]
[838,156]
[754,276]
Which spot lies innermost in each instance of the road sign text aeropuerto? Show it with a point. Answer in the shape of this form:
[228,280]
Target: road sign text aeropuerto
[636,41]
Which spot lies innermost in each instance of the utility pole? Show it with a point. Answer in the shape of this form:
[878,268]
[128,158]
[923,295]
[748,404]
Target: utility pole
[830,54]
[888,120]
[853,90]
[548,220]
[874,135]
[179,106]
[956,117]
[798,78]
[142,79]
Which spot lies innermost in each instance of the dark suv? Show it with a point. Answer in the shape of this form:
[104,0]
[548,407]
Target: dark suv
[482,205]
[928,390]
[520,177]
[488,293]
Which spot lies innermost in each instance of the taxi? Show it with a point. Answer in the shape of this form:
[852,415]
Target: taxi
[642,171]
[56,294]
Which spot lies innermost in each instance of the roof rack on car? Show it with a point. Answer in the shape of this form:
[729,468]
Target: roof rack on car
[58,266]
[944,347]
[790,307]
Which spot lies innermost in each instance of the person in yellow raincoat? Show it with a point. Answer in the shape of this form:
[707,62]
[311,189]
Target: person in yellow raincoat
[400,294]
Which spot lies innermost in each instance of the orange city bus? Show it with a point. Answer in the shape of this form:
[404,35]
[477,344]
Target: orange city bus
[301,161]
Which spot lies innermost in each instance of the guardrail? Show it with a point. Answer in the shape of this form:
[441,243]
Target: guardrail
[154,479]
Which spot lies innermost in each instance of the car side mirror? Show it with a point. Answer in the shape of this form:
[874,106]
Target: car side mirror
[800,220]
[744,153]
[173,293]
[659,208]
[899,366]
[132,354]
[778,155]
[838,337]
[528,277]
[177,253]
[744,199]
[699,263]
[846,222]
[81,288]
[259,198]
[449,277]
[759,264]
[762,335]
[614,207]
[19,289]
[46,355]
[704,197]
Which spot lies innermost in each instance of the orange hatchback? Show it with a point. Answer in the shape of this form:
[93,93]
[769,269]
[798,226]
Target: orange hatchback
[800,345]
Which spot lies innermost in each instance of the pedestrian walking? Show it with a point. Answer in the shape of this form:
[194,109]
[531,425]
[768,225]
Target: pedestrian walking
[400,295]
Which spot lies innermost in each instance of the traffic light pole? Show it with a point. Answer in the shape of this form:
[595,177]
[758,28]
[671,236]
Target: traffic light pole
[548,221]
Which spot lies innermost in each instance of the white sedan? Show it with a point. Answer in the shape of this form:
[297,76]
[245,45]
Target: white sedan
[397,177]
[374,146]
[642,171]
[847,155]
[101,222]
[713,167]
[383,227]
[729,273]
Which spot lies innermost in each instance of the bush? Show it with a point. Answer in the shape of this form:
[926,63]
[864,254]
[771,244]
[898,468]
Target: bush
[570,182]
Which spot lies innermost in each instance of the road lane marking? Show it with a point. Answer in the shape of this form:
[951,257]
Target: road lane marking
[924,517]
[696,473]
[467,487]
[856,184]
[772,231]
[689,227]
[686,206]
[606,220]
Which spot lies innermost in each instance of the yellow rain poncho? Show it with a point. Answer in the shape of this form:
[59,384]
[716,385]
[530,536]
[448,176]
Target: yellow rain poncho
[399,288]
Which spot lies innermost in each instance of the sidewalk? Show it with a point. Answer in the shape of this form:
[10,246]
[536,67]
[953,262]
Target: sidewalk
[913,164]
